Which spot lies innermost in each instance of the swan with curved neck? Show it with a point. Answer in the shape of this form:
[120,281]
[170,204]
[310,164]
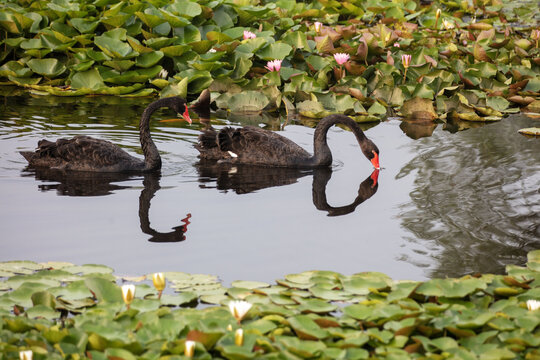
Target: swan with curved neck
[255,146]
[84,153]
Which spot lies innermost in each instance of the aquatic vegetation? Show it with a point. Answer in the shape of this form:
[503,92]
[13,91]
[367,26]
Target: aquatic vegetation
[473,61]
[60,310]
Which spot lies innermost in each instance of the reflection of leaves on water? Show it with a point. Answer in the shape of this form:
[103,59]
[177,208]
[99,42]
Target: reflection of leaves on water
[246,179]
[475,199]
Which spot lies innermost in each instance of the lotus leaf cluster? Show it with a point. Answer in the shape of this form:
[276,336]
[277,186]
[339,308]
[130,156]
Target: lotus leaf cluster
[467,60]
[60,310]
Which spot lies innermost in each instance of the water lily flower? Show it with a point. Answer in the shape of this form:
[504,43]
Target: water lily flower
[26,355]
[163,74]
[159,283]
[318,26]
[341,58]
[533,305]
[437,16]
[535,35]
[448,25]
[249,35]
[189,348]
[239,309]
[128,293]
[239,337]
[406,61]
[212,50]
[273,65]
[397,45]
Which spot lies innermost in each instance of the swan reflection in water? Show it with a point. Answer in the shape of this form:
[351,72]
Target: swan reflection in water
[244,179]
[81,183]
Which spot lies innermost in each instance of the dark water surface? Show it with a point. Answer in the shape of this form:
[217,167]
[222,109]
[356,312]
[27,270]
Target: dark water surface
[446,205]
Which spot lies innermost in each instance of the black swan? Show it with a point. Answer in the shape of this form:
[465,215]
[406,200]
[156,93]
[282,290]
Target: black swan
[84,153]
[256,146]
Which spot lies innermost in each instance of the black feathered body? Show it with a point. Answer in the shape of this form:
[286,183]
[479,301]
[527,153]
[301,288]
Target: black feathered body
[256,146]
[82,153]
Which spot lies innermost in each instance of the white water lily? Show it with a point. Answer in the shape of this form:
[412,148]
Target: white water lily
[163,74]
[159,281]
[26,355]
[448,25]
[128,293]
[189,349]
[239,309]
[533,305]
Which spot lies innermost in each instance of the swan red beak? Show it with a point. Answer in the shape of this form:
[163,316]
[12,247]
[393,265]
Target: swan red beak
[185,115]
[374,177]
[375,160]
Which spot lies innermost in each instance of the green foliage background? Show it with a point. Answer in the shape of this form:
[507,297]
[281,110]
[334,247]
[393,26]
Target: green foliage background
[477,61]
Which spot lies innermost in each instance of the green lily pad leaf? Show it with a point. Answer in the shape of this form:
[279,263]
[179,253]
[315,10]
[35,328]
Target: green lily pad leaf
[297,39]
[201,47]
[104,290]
[176,89]
[88,269]
[42,311]
[116,20]
[159,42]
[90,79]
[248,101]
[260,326]
[185,8]
[114,47]
[84,26]
[249,284]
[173,20]
[24,81]
[20,267]
[119,65]
[218,37]
[73,291]
[317,306]
[277,50]
[22,296]
[84,66]
[149,59]
[117,353]
[402,290]
[451,287]
[44,298]
[307,329]
[535,131]
[175,50]
[179,300]
[497,103]
[136,45]
[46,67]
[149,20]
[377,109]
[214,299]
[303,348]
[32,44]
[312,109]
[15,68]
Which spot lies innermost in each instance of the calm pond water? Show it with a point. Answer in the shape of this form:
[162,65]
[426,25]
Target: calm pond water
[447,203]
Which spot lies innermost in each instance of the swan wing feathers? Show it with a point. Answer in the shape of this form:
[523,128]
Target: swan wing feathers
[258,146]
[83,149]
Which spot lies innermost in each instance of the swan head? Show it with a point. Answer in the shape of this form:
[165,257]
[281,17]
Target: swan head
[180,107]
[371,151]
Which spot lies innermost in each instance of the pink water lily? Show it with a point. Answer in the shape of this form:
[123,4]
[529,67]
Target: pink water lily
[406,60]
[273,65]
[318,26]
[249,35]
[341,58]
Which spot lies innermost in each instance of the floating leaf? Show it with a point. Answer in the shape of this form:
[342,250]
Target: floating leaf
[535,131]
[46,67]
[248,101]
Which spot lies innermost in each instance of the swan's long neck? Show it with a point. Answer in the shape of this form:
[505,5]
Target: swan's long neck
[152,160]
[322,156]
